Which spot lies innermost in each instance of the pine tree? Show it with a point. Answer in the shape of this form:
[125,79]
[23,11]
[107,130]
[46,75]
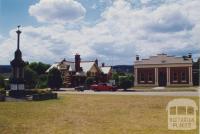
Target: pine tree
[54,79]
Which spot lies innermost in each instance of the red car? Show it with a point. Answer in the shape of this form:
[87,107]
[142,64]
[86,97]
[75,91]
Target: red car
[102,87]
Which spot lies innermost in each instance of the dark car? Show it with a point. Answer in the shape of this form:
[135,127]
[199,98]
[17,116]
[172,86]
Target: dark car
[80,88]
[103,87]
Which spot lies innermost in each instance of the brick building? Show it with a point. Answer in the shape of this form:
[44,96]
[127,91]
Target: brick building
[163,70]
[106,72]
[74,73]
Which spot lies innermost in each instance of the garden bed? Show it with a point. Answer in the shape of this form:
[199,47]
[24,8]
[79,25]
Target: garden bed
[35,94]
[44,96]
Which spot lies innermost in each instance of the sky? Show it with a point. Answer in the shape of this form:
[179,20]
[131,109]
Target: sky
[113,31]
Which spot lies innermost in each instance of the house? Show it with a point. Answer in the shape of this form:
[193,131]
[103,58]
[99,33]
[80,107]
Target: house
[75,72]
[163,70]
[106,72]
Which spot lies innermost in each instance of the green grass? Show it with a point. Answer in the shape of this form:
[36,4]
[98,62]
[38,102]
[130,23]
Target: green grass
[88,114]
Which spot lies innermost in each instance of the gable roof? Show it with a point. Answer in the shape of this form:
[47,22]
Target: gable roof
[70,64]
[85,65]
[53,66]
[106,69]
[164,59]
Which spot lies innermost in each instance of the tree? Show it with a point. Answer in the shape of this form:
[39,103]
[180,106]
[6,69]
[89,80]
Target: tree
[54,79]
[196,71]
[2,84]
[89,81]
[39,67]
[30,78]
[125,82]
[42,81]
[115,76]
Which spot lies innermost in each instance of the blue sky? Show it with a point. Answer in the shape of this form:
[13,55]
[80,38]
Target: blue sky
[14,12]
[114,31]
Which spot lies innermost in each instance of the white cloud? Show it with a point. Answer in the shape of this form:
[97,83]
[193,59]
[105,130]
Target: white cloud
[122,33]
[57,11]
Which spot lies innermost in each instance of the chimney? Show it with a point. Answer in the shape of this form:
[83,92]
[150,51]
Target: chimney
[137,57]
[96,62]
[103,64]
[189,55]
[77,63]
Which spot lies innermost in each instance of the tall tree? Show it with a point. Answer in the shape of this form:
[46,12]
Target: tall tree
[30,78]
[39,67]
[2,84]
[54,79]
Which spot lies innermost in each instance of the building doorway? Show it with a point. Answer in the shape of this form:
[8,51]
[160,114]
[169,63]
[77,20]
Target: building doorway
[162,77]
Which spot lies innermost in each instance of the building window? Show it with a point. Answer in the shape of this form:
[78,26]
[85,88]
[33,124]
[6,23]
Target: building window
[92,74]
[175,77]
[183,76]
[150,77]
[141,77]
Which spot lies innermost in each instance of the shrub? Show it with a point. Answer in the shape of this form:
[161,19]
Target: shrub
[125,82]
[115,76]
[2,91]
[89,81]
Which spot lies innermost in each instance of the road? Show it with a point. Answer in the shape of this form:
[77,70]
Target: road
[182,93]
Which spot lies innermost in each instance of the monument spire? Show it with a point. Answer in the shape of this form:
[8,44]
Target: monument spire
[18,36]
[17,64]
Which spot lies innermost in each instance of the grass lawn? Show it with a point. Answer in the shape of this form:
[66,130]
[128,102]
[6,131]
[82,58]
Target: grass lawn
[88,114]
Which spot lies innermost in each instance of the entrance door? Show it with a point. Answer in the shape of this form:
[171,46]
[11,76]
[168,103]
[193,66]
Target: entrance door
[162,77]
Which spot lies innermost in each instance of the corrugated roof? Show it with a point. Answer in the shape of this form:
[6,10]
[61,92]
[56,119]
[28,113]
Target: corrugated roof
[164,59]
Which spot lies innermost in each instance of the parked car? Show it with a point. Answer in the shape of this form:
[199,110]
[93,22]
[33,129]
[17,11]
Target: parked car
[103,87]
[80,88]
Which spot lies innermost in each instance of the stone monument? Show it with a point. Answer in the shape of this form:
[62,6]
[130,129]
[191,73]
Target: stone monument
[17,64]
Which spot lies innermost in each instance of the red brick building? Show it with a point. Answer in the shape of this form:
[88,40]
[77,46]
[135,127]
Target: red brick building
[106,72]
[163,70]
[75,72]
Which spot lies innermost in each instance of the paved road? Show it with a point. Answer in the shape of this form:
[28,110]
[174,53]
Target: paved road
[135,93]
